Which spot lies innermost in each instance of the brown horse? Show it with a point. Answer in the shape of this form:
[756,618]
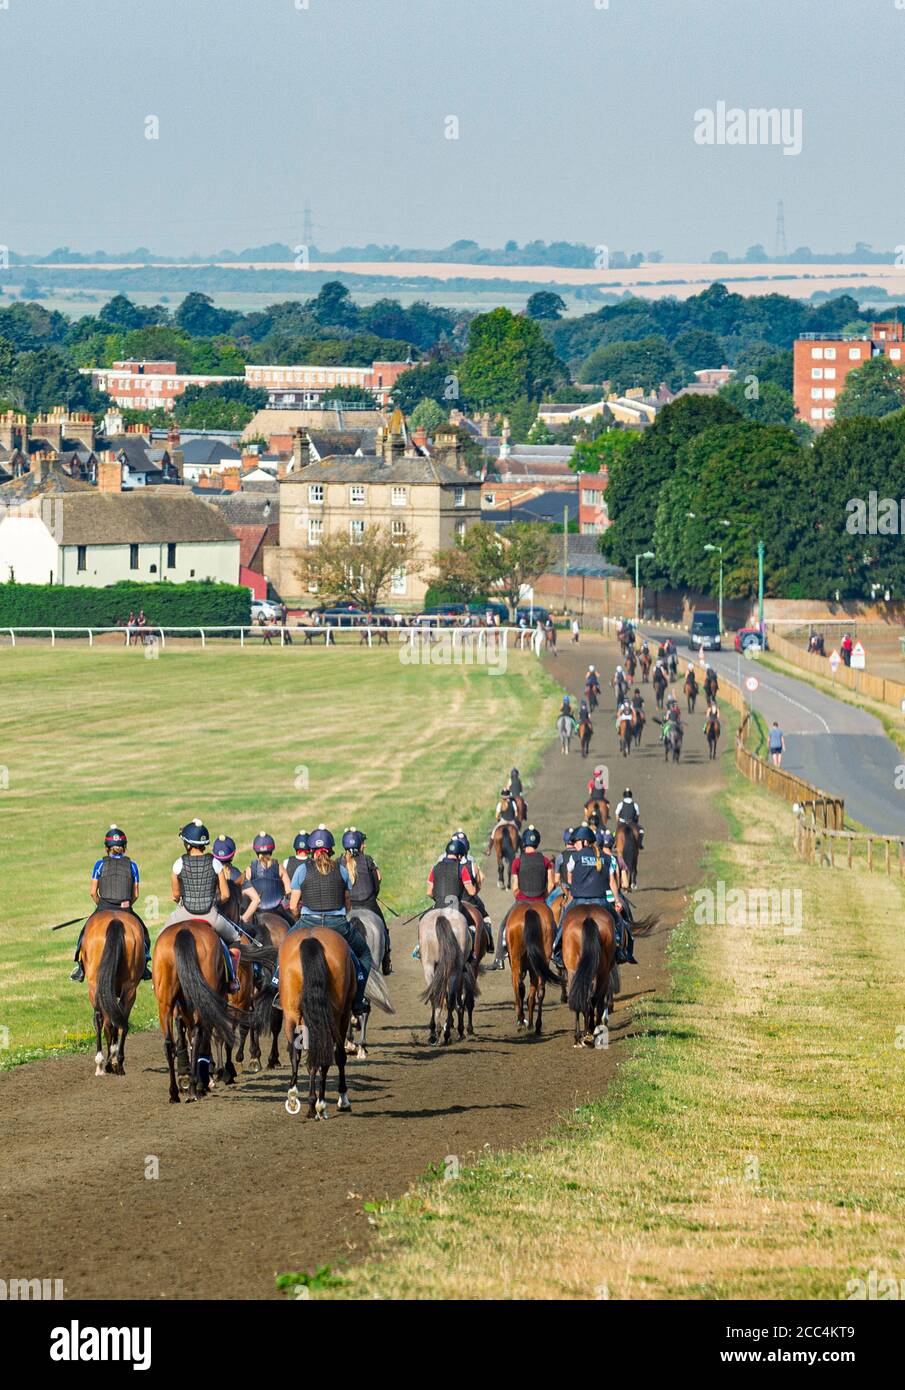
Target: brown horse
[529,939]
[585,734]
[660,684]
[505,845]
[628,845]
[113,958]
[631,663]
[317,991]
[190,982]
[589,955]
[520,806]
[624,725]
[644,659]
[597,802]
[712,734]
[691,690]
[272,928]
[711,685]
[637,725]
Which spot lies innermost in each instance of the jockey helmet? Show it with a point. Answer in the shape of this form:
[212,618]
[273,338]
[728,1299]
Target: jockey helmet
[627,794]
[321,839]
[454,847]
[195,834]
[607,839]
[115,838]
[264,843]
[352,839]
[463,838]
[592,668]
[504,791]
[531,837]
[567,836]
[300,842]
[584,835]
[224,848]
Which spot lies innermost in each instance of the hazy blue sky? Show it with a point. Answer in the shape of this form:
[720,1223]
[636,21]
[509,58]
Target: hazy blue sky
[576,123]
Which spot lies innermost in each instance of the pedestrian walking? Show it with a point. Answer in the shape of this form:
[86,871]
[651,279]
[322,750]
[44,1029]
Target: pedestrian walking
[576,631]
[777,745]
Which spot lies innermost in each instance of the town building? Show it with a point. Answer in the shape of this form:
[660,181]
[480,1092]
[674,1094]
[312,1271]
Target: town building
[301,386]
[427,495]
[144,385]
[821,364]
[593,516]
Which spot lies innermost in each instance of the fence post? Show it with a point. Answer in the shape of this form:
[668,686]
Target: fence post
[201,630]
[870,853]
[53,638]
[241,637]
[90,638]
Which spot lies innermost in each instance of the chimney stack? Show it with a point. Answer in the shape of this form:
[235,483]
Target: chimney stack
[113,423]
[301,450]
[109,473]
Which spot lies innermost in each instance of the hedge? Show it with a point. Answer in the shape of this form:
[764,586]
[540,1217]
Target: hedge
[200,603]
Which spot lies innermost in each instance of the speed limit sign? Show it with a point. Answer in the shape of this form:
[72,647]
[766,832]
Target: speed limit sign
[751,683]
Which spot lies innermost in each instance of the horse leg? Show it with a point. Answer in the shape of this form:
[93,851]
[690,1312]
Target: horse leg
[110,1041]
[229,1071]
[119,1062]
[182,1057]
[294,1043]
[312,1093]
[432,1036]
[447,1027]
[240,1050]
[362,1053]
[169,1048]
[99,1049]
[273,1061]
[342,1102]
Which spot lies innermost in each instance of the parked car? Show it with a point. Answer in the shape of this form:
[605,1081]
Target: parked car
[531,615]
[265,608]
[750,637]
[499,610]
[704,631]
[340,614]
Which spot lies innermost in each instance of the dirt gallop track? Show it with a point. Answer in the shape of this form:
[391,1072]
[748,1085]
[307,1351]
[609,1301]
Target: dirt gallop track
[75,1150]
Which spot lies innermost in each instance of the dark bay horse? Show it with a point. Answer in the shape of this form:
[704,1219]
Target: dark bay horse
[317,991]
[637,725]
[712,733]
[644,659]
[672,742]
[585,734]
[529,939]
[190,982]
[271,928]
[631,663]
[113,958]
[505,844]
[660,683]
[711,685]
[691,690]
[627,846]
[589,956]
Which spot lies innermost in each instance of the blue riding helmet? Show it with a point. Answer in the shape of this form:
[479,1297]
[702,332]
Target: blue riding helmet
[584,835]
[352,840]
[264,843]
[224,848]
[567,836]
[531,837]
[454,847]
[460,835]
[115,838]
[300,842]
[195,834]
[321,839]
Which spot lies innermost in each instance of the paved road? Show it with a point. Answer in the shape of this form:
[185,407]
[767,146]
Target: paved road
[833,745]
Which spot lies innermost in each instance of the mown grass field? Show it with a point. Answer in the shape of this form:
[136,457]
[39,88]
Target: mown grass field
[247,740]
[752,1144]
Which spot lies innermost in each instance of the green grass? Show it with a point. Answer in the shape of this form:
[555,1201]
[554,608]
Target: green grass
[751,1145]
[246,740]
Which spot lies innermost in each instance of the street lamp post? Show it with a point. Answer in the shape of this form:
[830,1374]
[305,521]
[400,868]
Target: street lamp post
[720,549]
[642,555]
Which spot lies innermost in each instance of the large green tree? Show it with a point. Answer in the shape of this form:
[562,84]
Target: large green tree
[644,362]
[876,388]
[507,357]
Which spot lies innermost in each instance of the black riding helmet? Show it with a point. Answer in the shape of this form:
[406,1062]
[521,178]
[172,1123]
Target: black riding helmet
[531,837]
[115,839]
[454,847]
[195,835]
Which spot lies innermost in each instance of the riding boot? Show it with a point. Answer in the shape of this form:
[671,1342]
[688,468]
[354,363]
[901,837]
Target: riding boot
[386,965]
[146,975]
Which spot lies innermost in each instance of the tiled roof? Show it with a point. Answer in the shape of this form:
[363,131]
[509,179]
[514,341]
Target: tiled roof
[350,469]
[117,518]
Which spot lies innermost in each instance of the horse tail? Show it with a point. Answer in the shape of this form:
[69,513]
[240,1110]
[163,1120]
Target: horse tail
[317,1010]
[213,1012]
[645,924]
[583,987]
[449,968]
[262,1009]
[534,948]
[106,991]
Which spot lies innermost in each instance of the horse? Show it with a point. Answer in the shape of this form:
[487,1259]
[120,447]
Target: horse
[711,685]
[317,991]
[627,847]
[565,727]
[585,734]
[372,928]
[631,663]
[272,929]
[624,725]
[590,694]
[644,659]
[113,958]
[660,684]
[637,725]
[529,939]
[505,845]
[520,806]
[597,802]
[712,734]
[672,741]
[589,956]
[672,662]
[190,981]
[450,984]
[691,691]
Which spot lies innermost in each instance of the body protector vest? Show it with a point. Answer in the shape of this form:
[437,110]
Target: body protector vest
[587,880]
[268,883]
[447,881]
[532,875]
[323,892]
[365,885]
[292,864]
[198,882]
[114,882]
[507,813]
[628,812]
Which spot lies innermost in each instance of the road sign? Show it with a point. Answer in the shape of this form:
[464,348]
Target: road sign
[751,683]
[859,657]
[835,658]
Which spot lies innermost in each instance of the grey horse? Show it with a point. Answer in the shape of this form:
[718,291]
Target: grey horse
[445,946]
[565,727]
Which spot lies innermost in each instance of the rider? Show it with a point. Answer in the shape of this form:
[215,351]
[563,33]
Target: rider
[584,713]
[597,783]
[592,681]
[607,842]
[591,878]
[532,877]
[506,814]
[268,876]
[114,883]
[451,877]
[198,886]
[319,894]
[364,884]
[638,700]
[477,874]
[624,716]
[224,851]
[515,782]
[567,706]
[298,856]
[628,812]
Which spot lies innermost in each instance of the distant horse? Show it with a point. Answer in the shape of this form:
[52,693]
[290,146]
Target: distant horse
[597,802]
[585,734]
[691,690]
[590,694]
[620,685]
[627,846]
[450,984]
[660,684]
[317,991]
[589,956]
[712,734]
[637,725]
[711,685]
[113,958]
[644,659]
[624,727]
[190,981]
[631,663]
[505,845]
[565,727]
[529,939]
[672,742]
[520,806]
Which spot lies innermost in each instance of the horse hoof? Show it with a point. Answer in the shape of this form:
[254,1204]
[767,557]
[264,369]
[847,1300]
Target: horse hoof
[183,1083]
[350,1047]
[362,1054]
[98,1071]
[293,1104]
[522,1024]
[320,1110]
[343,1103]
[254,1064]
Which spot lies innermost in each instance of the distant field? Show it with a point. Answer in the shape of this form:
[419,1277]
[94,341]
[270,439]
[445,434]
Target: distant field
[246,740]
